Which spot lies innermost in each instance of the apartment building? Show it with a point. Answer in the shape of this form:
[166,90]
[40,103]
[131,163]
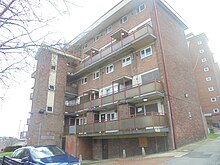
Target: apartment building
[207,75]
[123,87]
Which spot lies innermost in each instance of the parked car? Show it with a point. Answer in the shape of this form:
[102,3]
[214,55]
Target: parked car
[41,155]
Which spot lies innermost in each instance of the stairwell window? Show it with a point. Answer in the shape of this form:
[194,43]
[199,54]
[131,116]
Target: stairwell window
[206,69]
[96,38]
[204,59]
[146,52]
[53,67]
[216,110]
[51,87]
[208,78]
[140,8]
[199,42]
[96,75]
[49,109]
[126,61]
[124,19]
[210,89]
[109,69]
[201,51]
[84,80]
[213,99]
[108,29]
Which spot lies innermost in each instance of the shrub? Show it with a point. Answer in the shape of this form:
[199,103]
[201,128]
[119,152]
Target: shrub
[11,148]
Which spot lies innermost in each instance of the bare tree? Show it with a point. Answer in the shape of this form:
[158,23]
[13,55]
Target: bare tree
[22,30]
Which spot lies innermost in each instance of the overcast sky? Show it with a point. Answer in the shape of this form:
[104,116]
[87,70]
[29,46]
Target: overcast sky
[201,16]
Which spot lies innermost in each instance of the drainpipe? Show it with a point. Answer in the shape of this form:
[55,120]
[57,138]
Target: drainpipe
[165,76]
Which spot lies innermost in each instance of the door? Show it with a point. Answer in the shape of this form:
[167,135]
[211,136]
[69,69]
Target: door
[104,149]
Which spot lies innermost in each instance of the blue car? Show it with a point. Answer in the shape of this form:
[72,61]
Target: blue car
[47,154]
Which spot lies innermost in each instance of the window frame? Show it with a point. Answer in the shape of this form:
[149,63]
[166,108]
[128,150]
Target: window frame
[206,69]
[213,99]
[210,89]
[109,70]
[199,42]
[122,20]
[214,110]
[96,38]
[125,62]
[146,55]
[51,87]
[201,51]
[84,80]
[108,29]
[95,75]
[49,107]
[204,59]
[208,78]
[139,10]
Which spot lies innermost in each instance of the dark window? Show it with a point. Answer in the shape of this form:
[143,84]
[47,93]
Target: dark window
[49,109]
[53,67]
[51,87]
[151,108]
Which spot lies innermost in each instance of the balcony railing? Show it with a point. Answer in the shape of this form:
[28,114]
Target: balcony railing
[144,33]
[127,93]
[150,121]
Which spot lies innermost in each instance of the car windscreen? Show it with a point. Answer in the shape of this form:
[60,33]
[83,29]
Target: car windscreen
[48,151]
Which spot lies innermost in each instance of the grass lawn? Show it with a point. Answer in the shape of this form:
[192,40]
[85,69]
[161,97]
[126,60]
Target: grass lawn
[213,136]
[5,153]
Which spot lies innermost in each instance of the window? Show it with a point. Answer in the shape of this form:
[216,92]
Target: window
[96,75]
[210,89]
[108,91]
[53,67]
[109,69]
[146,52]
[204,59]
[208,78]
[206,69]
[199,42]
[96,38]
[139,110]
[84,80]
[126,61]
[216,110]
[201,51]
[108,29]
[85,46]
[124,19]
[213,99]
[80,121]
[51,87]
[49,109]
[140,8]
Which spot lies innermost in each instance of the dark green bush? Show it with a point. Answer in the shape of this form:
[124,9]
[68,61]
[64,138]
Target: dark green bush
[11,148]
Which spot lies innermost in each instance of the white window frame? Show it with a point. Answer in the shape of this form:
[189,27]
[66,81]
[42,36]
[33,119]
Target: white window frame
[206,69]
[125,61]
[208,78]
[199,42]
[84,80]
[213,99]
[140,8]
[82,120]
[210,89]
[201,51]
[53,67]
[96,75]
[48,108]
[145,54]
[96,38]
[124,19]
[108,29]
[215,110]
[109,69]
[51,87]
[204,59]
[108,91]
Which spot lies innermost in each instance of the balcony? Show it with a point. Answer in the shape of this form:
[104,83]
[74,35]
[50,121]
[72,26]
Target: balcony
[33,74]
[31,96]
[150,89]
[115,50]
[148,123]
[71,91]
